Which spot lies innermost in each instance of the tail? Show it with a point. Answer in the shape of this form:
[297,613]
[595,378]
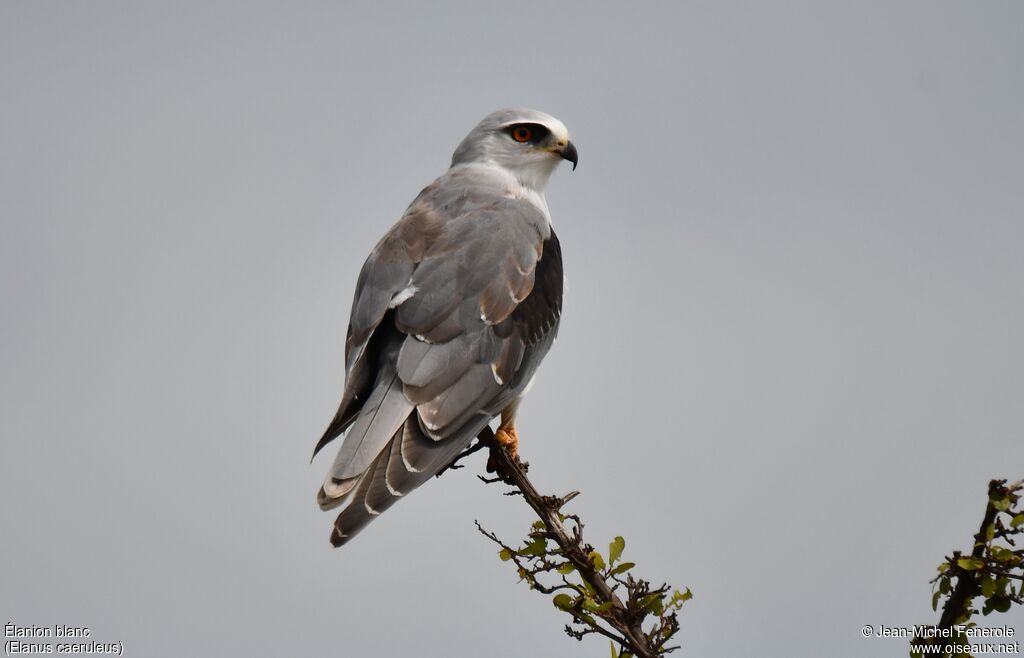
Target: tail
[408,459]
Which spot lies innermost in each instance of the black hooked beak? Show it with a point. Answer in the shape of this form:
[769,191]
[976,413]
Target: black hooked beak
[569,153]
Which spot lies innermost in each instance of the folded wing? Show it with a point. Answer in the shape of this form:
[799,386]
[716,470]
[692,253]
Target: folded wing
[453,311]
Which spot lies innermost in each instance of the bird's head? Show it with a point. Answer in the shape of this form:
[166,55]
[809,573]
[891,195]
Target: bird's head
[526,142]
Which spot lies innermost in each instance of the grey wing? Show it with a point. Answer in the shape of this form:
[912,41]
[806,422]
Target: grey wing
[451,319]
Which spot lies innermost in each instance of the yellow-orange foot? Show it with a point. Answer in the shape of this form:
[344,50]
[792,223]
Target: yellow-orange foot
[508,438]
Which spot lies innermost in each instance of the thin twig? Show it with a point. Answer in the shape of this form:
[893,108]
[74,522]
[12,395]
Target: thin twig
[454,464]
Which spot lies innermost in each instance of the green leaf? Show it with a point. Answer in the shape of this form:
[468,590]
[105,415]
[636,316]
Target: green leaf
[1001,504]
[505,555]
[615,654]
[1017,520]
[653,603]
[562,601]
[988,587]
[593,606]
[615,550]
[682,597]
[622,568]
[935,600]
[970,563]
[566,568]
[536,547]
[596,558]
[1005,555]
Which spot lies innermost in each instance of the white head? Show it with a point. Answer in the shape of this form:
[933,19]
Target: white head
[526,142]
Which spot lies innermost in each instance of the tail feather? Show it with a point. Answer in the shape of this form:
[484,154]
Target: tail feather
[389,478]
[355,516]
[334,492]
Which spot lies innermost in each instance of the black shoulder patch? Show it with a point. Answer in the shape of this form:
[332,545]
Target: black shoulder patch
[538,314]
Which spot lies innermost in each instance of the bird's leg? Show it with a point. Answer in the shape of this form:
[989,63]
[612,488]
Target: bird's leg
[506,437]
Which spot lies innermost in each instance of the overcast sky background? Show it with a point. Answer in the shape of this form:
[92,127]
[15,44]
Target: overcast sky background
[790,359]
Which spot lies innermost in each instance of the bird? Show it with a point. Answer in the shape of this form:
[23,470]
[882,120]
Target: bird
[453,311]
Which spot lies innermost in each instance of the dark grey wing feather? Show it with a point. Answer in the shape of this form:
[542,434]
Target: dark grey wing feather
[454,406]
[453,312]
[438,295]
[429,368]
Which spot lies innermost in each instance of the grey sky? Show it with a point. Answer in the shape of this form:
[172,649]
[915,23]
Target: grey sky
[790,358]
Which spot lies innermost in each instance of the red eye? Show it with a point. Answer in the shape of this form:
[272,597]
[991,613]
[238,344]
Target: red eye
[521,134]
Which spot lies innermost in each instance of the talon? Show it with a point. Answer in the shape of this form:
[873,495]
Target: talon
[508,438]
